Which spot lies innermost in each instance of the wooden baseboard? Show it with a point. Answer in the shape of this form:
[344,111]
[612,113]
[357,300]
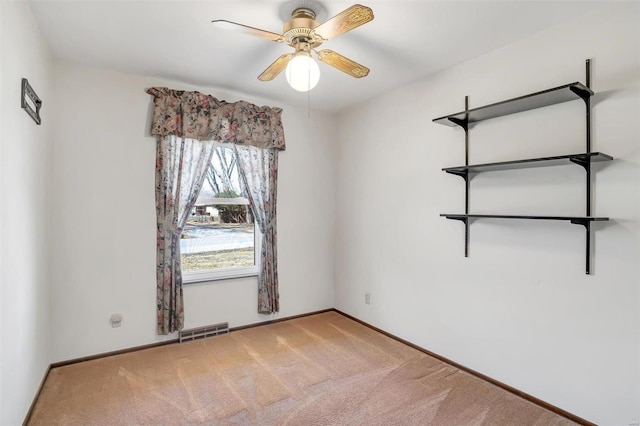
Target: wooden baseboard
[168,342]
[481,376]
[260,324]
[112,353]
[37,395]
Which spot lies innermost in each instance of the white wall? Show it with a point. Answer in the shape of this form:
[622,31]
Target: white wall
[24,213]
[520,309]
[1,203]
[103,216]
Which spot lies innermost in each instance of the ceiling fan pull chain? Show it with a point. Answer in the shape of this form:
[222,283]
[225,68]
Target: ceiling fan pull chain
[309,100]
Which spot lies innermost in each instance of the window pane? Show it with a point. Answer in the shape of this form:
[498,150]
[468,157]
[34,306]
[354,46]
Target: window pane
[218,234]
[215,245]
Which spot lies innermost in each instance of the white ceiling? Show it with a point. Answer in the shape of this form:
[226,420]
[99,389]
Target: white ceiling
[406,41]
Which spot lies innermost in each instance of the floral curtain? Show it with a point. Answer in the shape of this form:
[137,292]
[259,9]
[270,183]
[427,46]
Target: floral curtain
[259,172]
[198,116]
[181,165]
[186,124]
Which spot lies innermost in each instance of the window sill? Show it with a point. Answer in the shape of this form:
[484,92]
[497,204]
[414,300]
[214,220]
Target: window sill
[218,275]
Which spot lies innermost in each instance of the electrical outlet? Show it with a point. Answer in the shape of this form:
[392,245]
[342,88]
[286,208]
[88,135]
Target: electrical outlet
[116,320]
[367,298]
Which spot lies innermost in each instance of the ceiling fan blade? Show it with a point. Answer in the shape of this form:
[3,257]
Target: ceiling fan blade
[342,63]
[276,67]
[344,21]
[233,26]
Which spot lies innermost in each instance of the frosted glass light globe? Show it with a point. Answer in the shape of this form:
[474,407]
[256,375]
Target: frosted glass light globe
[302,73]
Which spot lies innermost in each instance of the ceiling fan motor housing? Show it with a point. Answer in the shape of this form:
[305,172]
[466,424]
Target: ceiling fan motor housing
[298,29]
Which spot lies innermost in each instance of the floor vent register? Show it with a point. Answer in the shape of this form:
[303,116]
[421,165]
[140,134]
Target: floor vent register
[204,332]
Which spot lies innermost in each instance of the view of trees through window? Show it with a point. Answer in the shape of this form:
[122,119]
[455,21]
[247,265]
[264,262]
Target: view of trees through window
[220,231]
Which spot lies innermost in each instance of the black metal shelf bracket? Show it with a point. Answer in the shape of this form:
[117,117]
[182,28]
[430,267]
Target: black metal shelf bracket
[581,92]
[458,122]
[567,92]
[464,174]
[464,220]
[587,228]
[581,161]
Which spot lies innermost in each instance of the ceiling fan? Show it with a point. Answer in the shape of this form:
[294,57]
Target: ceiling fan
[305,34]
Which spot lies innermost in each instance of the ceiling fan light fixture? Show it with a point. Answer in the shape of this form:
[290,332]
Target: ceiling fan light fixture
[302,72]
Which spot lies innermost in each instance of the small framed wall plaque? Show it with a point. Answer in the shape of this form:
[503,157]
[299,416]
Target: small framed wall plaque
[30,101]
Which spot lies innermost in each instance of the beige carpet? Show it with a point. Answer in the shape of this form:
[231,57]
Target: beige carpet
[320,370]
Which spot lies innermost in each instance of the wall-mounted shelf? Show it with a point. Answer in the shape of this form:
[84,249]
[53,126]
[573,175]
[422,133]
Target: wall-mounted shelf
[556,95]
[578,220]
[579,159]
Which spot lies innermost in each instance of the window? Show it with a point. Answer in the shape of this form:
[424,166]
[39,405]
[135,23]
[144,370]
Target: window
[220,239]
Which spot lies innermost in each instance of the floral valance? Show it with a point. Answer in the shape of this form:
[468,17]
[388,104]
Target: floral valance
[199,116]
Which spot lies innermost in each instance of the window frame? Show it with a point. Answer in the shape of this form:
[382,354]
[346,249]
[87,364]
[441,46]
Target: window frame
[191,277]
